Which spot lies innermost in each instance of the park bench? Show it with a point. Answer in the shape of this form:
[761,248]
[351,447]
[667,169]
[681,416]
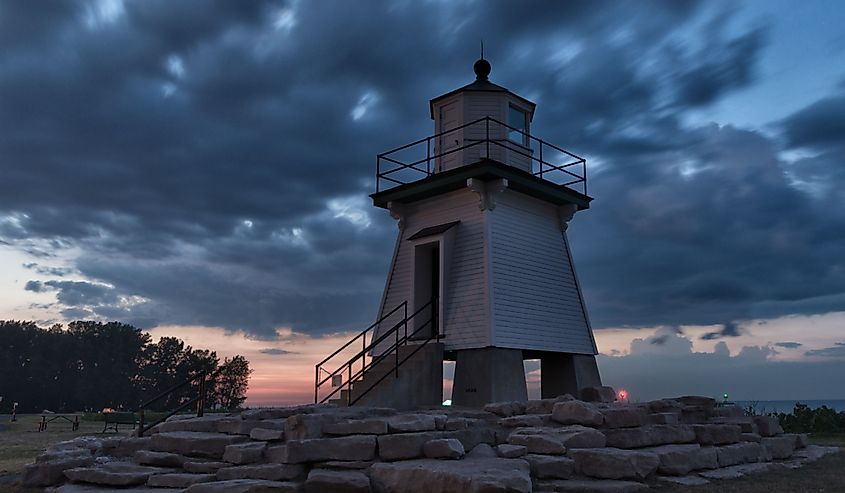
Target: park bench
[113,419]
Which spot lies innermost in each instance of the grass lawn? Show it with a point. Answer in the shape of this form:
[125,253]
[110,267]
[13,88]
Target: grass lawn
[825,475]
[23,442]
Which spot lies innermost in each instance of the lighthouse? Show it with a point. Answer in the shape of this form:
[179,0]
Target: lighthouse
[482,273]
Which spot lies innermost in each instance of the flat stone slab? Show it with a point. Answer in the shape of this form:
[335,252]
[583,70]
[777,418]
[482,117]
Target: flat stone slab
[690,480]
[244,486]
[324,480]
[115,474]
[85,488]
[178,480]
[591,486]
[734,472]
[461,476]
[612,463]
[355,447]
[192,443]
[270,472]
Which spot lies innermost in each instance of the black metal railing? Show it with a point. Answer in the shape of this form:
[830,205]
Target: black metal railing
[424,157]
[355,367]
[201,380]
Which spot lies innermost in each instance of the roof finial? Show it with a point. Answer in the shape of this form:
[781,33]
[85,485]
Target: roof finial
[482,66]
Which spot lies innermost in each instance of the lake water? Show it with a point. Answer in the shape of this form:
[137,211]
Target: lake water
[787,406]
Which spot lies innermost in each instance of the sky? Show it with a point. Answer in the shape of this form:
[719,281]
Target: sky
[202,169]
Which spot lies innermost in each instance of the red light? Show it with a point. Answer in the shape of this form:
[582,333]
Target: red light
[623,394]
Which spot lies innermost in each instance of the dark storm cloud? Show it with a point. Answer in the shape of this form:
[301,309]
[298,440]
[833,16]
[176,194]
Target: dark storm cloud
[788,344]
[729,329]
[204,159]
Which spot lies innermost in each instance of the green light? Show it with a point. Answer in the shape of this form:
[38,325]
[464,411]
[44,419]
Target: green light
[726,396]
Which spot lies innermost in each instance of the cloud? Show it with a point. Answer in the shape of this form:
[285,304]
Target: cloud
[274,351]
[651,371]
[836,351]
[211,171]
[729,329]
[788,345]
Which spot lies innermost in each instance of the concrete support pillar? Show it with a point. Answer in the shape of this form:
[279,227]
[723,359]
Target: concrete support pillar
[567,373]
[488,375]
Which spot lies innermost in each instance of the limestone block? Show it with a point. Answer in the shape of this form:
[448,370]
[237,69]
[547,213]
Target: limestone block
[52,472]
[716,434]
[624,417]
[406,423]
[355,447]
[678,460]
[697,400]
[115,474]
[540,406]
[304,426]
[780,447]
[377,426]
[556,440]
[663,419]
[768,426]
[127,446]
[205,423]
[244,453]
[577,413]
[462,476]
[199,444]
[524,420]
[276,453]
[505,409]
[162,459]
[325,480]
[591,485]
[664,406]
[443,448]
[729,411]
[281,413]
[509,451]
[750,437]
[482,451]
[738,471]
[244,486]
[598,394]
[203,467]
[344,464]
[738,453]
[403,446]
[267,434]
[745,423]
[178,480]
[613,463]
[801,439]
[550,466]
[271,472]
[649,435]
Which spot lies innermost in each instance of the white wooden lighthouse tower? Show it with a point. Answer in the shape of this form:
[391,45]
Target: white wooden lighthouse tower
[482,273]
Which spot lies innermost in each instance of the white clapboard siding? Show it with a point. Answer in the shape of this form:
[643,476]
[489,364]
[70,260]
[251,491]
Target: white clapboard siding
[536,302]
[466,308]
[480,105]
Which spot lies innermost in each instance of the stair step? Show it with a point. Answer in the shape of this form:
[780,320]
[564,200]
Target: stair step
[195,443]
[179,480]
[115,474]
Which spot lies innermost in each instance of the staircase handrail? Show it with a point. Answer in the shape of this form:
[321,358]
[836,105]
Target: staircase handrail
[399,363]
[203,376]
[347,366]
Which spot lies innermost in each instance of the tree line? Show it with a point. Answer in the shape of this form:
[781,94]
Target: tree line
[89,366]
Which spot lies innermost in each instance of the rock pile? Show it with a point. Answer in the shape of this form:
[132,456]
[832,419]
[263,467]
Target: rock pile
[547,445]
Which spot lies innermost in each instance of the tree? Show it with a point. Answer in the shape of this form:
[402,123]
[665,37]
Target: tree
[232,381]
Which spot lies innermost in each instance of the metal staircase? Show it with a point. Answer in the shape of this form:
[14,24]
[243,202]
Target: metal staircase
[367,375]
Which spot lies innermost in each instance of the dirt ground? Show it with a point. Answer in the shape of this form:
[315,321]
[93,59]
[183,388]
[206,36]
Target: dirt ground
[20,445]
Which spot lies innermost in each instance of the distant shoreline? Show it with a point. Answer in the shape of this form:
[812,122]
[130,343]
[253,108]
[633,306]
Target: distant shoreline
[786,406]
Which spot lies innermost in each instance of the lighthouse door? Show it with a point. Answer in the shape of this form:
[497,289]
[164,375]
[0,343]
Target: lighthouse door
[426,288]
[448,142]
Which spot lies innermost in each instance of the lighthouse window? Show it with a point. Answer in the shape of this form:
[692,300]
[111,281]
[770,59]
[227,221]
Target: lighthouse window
[518,121]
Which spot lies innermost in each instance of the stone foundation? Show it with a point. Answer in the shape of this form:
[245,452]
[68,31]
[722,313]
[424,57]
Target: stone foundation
[559,444]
